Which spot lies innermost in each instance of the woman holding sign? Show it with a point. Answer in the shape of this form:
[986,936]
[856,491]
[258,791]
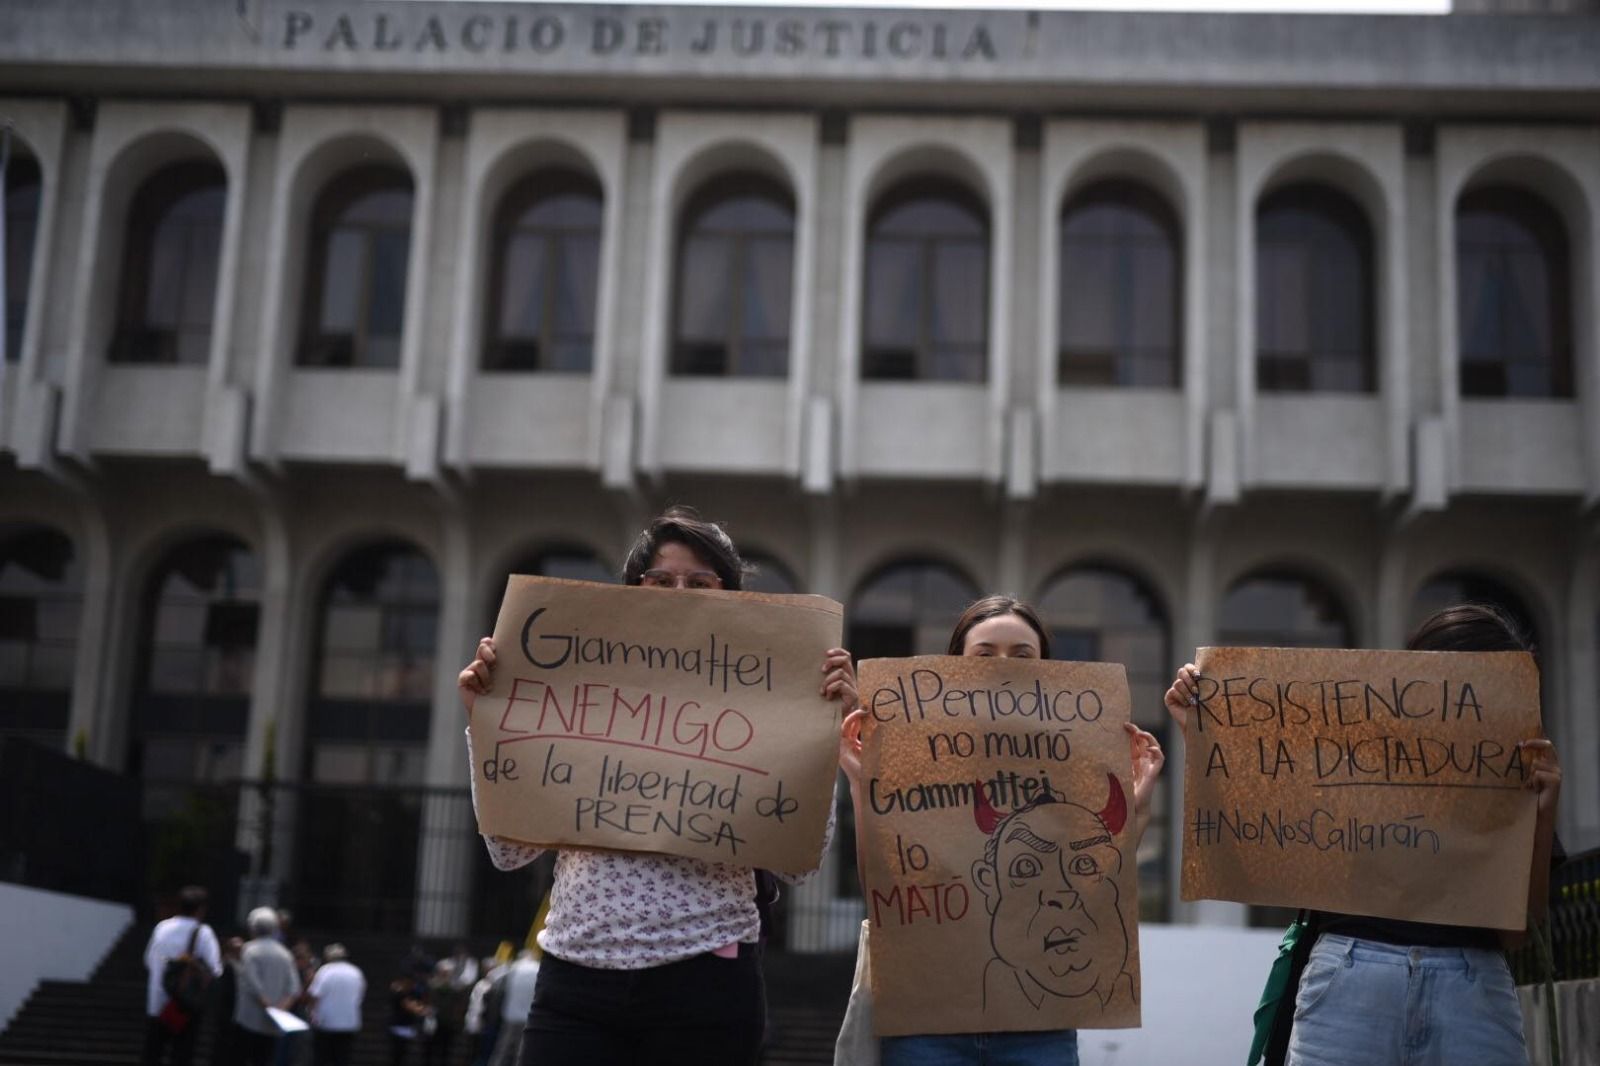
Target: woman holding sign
[650,958]
[1380,991]
[1002,627]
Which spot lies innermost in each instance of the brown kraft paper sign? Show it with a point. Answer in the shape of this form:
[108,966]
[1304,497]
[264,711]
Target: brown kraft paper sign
[681,721]
[997,822]
[1383,783]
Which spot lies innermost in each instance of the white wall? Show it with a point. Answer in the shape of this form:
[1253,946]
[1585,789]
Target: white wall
[1200,986]
[49,936]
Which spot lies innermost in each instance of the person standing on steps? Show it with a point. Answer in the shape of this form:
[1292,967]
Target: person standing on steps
[185,933]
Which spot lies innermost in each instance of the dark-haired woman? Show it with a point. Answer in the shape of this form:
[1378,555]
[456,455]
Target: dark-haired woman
[1384,992]
[650,958]
[1006,628]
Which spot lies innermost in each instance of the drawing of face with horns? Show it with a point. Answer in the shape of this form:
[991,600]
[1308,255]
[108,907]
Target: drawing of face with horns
[1048,876]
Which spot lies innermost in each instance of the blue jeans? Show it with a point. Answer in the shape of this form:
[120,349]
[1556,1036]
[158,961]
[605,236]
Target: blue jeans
[1365,1003]
[1057,1047]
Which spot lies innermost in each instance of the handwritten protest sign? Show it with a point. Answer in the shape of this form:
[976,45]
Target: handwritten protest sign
[1366,782]
[998,843]
[680,721]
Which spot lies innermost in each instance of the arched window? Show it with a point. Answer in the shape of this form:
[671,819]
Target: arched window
[546,272]
[24,196]
[926,308]
[1314,293]
[367,724]
[41,599]
[573,562]
[169,266]
[1120,296]
[767,574]
[377,638]
[356,270]
[1513,295]
[1463,586]
[907,608]
[1280,609]
[197,662]
[1101,614]
[735,275]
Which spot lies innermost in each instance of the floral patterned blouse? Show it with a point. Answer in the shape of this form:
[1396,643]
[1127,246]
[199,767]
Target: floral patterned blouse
[625,910]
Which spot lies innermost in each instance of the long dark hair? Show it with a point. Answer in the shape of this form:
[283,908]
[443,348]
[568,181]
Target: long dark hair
[993,607]
[683,525]
[1472,627]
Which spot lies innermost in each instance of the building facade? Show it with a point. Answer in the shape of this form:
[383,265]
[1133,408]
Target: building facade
[323,317]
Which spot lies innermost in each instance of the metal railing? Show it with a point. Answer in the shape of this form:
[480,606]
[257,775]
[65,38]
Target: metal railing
[380,859]
[1574,925]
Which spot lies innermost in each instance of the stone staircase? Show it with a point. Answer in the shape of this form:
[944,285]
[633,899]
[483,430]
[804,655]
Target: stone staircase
[100,1022]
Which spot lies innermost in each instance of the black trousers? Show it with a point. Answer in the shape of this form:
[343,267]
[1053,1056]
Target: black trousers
[331,1049]
[158,1039]
[701,1010]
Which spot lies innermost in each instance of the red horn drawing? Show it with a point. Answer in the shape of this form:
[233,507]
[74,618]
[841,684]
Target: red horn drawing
[983,811]
[1115,814]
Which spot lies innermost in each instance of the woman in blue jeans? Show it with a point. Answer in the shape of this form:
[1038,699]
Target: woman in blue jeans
[1382,992]
[1003,627]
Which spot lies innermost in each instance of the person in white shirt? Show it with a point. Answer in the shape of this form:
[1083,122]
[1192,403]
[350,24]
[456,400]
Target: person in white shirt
[170,939]
[336,992]
[514,1006]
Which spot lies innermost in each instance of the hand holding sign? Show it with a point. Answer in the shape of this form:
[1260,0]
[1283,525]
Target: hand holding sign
[689,722]
[999,844]
[1390,784]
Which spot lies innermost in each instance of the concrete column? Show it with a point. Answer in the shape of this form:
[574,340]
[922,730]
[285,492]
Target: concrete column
[444,854]
[827,272]
[272,753]
[638,179]
[94,653]
[819,916]
[1012,564]
[1193,627]
[1034,239]
[1386,626]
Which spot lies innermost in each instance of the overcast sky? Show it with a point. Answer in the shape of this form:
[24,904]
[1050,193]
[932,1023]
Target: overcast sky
[1376,7]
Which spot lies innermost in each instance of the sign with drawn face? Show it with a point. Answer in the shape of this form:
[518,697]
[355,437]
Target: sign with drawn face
[1385,783]
[998,841]
[687,722]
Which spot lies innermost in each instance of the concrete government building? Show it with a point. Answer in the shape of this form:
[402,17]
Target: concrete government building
[321,316]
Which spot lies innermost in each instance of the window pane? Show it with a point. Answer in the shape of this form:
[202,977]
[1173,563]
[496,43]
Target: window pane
[200,274]
[390,249]
[579,270]
[960,281]
[767,289]
[704,289]
[353,627]
[164,285]
[342,280]
[1512,296]
[522,292]
[1314,327]
[894,293]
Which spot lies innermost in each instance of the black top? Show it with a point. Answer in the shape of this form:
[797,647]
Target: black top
[1420,934]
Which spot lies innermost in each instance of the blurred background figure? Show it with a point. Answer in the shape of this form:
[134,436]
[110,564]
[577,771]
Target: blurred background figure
[335,995]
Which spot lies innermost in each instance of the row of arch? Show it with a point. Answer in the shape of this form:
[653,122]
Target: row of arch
[376,626]
[926,291]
